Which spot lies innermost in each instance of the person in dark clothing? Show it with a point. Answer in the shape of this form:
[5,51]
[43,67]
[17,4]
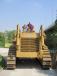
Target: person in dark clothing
[30,27]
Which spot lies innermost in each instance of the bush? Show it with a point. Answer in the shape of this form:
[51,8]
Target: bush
[1,62]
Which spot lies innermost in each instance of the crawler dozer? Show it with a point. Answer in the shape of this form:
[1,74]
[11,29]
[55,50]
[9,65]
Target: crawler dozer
[29,44]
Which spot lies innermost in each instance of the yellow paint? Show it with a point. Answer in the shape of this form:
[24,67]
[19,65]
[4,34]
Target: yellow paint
[29,38]
[26,54]
[28,35]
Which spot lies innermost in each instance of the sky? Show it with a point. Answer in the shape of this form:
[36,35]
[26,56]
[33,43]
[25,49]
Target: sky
[37,12]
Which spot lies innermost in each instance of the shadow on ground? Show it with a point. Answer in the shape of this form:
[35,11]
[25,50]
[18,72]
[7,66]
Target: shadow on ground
[34,64]
[28,63]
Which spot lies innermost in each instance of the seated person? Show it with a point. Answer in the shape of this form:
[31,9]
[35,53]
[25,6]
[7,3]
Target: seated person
[30,27]
[24,28]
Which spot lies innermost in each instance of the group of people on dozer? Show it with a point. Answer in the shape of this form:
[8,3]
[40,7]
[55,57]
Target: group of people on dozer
[28,28]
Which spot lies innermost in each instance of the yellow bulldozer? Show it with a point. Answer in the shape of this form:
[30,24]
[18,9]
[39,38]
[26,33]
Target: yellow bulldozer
[29,44]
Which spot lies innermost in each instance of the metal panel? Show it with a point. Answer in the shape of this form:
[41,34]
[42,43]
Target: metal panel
[26,54]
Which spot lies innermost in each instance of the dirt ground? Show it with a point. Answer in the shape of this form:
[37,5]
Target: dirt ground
[26,68]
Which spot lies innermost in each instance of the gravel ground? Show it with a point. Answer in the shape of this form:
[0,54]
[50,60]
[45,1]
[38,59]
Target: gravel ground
[25,69]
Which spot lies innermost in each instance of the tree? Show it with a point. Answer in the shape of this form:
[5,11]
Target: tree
[51,39]
[1,39]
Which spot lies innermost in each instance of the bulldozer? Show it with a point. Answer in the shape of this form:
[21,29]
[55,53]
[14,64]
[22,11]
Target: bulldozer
[29,44]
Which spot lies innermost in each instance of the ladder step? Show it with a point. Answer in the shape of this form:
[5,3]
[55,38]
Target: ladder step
[46,59]
[48,56]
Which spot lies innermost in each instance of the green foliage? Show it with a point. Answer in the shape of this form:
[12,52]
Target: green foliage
[9,36]
[51,39]
[1,39]
[6,38]
[1,62]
